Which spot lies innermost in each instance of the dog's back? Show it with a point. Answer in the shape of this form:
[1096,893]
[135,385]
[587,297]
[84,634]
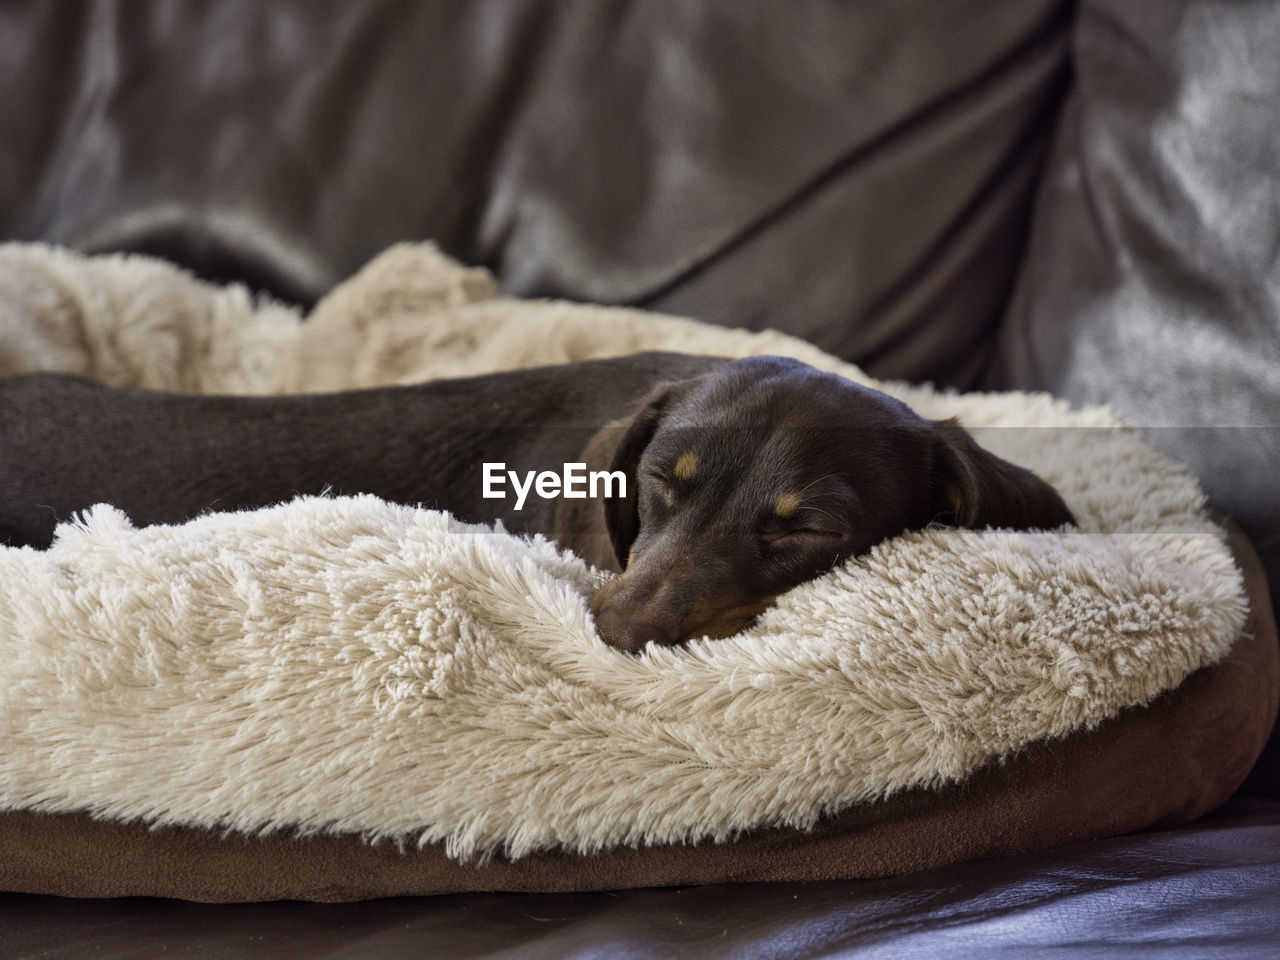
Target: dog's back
[67,443]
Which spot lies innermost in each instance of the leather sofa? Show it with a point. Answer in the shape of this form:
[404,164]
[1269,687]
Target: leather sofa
[1038,194]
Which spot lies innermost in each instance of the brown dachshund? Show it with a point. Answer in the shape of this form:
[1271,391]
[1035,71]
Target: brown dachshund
[765,473]
[742,478]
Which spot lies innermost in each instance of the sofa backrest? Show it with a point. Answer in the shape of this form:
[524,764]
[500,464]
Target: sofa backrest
[857,174]
[1152,280]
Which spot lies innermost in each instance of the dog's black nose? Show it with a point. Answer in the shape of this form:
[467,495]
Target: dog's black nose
[630,633]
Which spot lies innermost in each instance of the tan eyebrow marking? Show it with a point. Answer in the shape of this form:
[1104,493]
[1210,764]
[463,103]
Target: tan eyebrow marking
[686,465]
[786,504]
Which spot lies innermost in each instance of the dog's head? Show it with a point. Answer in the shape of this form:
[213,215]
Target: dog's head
[765,473]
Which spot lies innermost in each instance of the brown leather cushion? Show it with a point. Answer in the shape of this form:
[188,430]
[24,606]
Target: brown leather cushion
[1169,762]
[860,175]
[1150,278]
[1150,281]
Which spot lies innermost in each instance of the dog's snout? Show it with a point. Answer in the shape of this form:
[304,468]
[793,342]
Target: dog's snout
[631,633]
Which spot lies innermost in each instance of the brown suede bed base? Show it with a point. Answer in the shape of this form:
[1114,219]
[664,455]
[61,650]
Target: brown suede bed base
[1169,762]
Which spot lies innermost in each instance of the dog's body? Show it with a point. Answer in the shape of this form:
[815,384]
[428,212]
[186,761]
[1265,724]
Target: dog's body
[67,443]
[744,478]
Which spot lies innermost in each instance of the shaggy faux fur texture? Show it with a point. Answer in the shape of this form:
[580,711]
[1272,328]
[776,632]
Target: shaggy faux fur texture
[356,666]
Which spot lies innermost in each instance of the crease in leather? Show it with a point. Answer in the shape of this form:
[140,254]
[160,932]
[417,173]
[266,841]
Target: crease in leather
[1050,35]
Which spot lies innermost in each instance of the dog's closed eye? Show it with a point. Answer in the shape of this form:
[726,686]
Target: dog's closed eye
[806,546]
[802,536]
[798,522]
[660,490]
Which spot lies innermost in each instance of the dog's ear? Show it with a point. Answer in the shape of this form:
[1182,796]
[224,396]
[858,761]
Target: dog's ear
[618,447]
[603,531]
[974,488]
[622,514]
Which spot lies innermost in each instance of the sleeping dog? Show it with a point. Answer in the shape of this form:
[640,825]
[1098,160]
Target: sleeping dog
[743,478]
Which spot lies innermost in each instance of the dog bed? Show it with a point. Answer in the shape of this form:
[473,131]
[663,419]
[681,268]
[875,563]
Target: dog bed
[339,698]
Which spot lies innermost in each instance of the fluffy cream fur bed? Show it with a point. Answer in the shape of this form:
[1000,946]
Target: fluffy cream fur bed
[350,665]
